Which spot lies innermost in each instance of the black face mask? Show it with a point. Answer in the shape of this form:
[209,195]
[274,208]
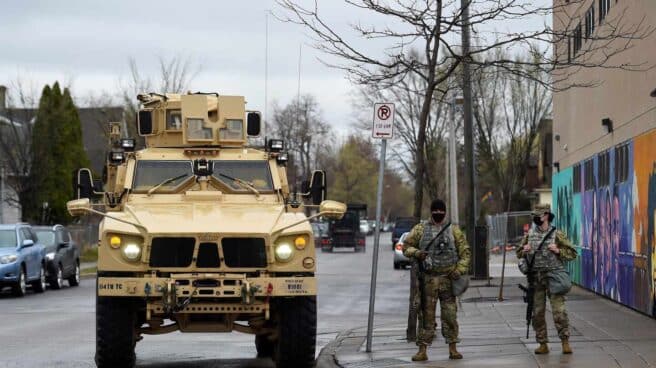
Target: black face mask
[537,220]
[438,217]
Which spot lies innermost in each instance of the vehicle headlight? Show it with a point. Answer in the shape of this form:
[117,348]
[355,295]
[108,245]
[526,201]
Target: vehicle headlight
[50,256]
[284,252]
[131,251]
[8,259]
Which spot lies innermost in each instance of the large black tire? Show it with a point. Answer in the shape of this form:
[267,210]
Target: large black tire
[264,346]
[74,279]
[57,280]
[20,287]
[297,332]
[39,285]
[115,337]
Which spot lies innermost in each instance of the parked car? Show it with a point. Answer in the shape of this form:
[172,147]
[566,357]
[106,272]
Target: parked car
[22,259]
[399,259]
[402,225]
[62,255]
[365,228]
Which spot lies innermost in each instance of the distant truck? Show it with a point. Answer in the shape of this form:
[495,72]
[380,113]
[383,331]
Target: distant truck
[346,233]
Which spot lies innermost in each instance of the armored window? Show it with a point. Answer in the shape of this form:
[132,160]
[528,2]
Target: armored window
[254,173]
[234,130]
[150,173]
[196,130]
[173,120]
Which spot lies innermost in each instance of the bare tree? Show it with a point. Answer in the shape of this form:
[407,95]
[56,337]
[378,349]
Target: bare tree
[507,112]
[175,76]
[16,123]
[300,124]
[432,26]
[409,100]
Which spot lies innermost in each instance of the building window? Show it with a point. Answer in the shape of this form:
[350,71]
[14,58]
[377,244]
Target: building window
[589,23]
[588,170]
[577,178]
[621,163]
[578,39]
[604,169]
[604,6]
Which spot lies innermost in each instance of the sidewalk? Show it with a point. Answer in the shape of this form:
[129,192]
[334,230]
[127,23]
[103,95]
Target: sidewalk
[493,334]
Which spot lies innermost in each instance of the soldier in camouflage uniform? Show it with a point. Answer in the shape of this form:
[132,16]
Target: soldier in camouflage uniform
[555,250]
[445,259]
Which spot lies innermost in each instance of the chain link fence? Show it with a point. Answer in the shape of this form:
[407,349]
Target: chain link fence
[85,235]
[506,230]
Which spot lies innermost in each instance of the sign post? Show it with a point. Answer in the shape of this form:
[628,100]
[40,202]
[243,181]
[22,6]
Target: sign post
[383,128]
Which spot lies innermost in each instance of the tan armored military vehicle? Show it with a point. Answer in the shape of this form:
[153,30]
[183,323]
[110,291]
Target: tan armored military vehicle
[202,234]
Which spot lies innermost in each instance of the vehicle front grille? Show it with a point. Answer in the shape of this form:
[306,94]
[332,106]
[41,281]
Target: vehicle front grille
[244,252]
[208,256]
[172,252]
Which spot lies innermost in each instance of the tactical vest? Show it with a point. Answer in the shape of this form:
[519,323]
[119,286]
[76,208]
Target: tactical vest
[544,259]
[442,252]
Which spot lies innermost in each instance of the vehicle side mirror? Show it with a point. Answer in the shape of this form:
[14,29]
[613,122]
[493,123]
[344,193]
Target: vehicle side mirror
[145,122]
[318,187]
[27,243]
[62,245]
[78,207]
[332,209]
[84,185]
[253,124]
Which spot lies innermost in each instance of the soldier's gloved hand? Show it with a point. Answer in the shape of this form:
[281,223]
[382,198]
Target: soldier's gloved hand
[454,275]
[421,255]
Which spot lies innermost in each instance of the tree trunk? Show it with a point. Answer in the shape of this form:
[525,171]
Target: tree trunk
[421,148]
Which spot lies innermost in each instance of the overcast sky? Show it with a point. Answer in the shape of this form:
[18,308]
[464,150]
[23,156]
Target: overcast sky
[87,44]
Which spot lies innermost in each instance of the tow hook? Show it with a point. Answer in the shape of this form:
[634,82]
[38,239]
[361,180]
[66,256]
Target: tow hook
[169,297]
[248,292]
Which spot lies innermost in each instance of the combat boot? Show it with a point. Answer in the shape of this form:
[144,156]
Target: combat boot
[421,354]
[566,348]
[453,352]
[542,349]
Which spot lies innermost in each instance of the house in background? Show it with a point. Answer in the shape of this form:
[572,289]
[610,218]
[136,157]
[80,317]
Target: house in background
[94,122]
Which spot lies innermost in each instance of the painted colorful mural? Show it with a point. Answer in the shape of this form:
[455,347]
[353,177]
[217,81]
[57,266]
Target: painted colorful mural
[607,206]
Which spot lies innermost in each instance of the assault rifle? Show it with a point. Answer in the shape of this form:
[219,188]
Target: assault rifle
[529,289]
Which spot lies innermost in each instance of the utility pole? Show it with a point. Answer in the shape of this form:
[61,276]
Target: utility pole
[2,194]
[469,131]
[453,169]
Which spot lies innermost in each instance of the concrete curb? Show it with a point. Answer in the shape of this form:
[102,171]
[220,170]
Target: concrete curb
[88,276]
[328,355]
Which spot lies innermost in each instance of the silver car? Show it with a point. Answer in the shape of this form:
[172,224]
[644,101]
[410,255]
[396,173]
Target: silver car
[400,261]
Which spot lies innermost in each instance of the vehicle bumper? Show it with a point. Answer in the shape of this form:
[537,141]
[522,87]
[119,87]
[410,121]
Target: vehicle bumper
[207,285]
[400,258]
[9,273]
[51,269]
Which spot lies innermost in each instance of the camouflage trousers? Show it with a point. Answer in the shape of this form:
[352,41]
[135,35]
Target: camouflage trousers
[437,288]
[539,308]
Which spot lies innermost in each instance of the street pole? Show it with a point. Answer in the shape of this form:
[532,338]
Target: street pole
[374,268]
[469,132]
[453,169]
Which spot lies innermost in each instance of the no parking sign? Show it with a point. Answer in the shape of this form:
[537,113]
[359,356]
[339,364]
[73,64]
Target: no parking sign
[383,127]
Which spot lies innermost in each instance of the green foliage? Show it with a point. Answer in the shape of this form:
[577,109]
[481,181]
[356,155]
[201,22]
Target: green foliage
[57,151]
[353,177]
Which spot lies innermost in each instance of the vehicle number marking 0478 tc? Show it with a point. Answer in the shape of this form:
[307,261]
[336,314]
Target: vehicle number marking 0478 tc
[110,286]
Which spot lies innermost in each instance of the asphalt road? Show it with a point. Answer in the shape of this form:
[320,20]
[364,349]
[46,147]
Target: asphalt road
[56,329]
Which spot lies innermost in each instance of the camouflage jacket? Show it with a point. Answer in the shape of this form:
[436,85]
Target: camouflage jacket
[411,247]
[567,250]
